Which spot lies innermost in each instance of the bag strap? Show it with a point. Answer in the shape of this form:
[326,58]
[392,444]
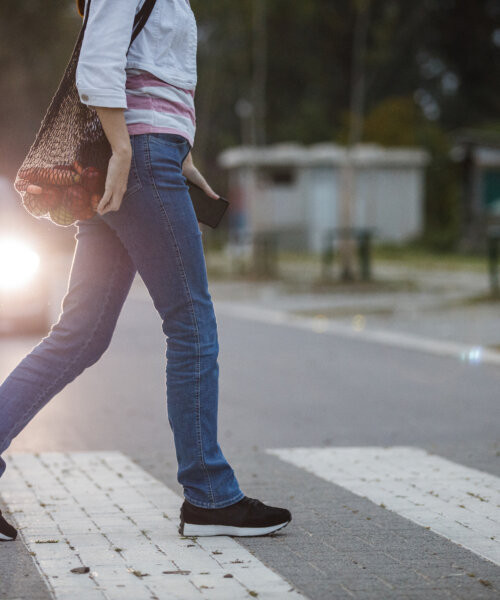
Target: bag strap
[139,21]
[141,18]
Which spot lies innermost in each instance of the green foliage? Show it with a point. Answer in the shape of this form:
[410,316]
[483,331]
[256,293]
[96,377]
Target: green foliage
[396,121]
[443,193]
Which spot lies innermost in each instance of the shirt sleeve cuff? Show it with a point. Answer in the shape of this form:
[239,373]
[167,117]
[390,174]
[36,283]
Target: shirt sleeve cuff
[109,99]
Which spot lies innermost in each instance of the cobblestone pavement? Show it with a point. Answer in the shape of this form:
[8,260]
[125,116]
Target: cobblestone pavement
[339,544]
[98,526]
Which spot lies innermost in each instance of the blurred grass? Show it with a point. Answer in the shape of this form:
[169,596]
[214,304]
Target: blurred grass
[306,268]
[420,258]
[399,255]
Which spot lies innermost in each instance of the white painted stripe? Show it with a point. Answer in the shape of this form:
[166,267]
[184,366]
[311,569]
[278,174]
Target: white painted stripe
[138,115]
[457,502]
[464,352]
[166,92]
[105,512]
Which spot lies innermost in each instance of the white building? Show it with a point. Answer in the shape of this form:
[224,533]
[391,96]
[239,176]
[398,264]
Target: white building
[294,188]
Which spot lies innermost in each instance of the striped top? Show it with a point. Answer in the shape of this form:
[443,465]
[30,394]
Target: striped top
[155,106]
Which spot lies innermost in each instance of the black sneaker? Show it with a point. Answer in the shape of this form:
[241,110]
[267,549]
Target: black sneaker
[7,532]
[247,517]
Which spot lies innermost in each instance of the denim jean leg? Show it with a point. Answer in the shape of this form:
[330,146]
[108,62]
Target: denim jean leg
[100,279]
[158,226]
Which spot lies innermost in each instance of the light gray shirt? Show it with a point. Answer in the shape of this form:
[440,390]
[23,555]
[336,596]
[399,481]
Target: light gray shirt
[166,47]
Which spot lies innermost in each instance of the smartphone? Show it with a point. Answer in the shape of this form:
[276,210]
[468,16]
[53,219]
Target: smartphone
[209,211]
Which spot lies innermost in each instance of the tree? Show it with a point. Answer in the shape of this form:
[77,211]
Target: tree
[37,39]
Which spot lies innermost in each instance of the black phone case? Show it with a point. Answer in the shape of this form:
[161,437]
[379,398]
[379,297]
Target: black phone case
[208,210]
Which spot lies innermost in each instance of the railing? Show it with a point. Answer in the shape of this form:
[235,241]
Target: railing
[363,238]
[266,246]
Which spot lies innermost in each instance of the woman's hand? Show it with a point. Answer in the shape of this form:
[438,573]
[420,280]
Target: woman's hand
[116,181]
[192,174]
[115,128]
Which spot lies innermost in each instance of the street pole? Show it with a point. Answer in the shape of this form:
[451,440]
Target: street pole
[244,109]
[357,107]
[259,72]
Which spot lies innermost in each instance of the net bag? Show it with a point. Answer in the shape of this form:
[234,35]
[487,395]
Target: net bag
[63,175]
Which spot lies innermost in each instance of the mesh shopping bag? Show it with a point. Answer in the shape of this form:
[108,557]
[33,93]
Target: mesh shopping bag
[63,175]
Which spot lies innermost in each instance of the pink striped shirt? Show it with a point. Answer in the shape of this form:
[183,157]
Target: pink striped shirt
[155,106]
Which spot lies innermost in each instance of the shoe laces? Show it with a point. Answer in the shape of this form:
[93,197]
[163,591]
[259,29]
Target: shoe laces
[254,502]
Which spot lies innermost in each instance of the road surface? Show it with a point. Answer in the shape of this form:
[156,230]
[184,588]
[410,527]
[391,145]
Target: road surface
[386,453]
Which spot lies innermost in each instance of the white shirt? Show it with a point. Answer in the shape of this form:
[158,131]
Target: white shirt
[166,47]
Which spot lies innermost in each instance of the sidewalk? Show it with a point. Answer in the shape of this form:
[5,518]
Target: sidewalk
[445,305]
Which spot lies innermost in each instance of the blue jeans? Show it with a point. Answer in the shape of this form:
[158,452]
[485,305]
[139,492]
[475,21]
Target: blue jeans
[155,233]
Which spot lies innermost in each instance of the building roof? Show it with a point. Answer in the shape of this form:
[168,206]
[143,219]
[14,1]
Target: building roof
[482,145]
[295,154]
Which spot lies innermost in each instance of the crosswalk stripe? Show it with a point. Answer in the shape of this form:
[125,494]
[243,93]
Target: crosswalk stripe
[99,509]
[460,503]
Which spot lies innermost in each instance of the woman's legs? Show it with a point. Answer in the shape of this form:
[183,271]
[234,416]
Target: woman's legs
[155,231]
[100,279]
[157,224]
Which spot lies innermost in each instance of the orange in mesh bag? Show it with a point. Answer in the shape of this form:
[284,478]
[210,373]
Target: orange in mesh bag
[63,175]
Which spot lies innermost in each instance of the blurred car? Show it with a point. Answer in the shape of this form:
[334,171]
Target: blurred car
[24,281]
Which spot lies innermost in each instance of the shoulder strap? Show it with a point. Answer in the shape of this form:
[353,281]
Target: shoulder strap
[140,19]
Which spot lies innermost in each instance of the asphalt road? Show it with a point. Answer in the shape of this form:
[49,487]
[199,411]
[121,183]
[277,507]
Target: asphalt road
[287,387]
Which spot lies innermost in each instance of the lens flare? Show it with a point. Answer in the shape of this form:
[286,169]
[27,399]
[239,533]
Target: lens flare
[18,263]
[473,356]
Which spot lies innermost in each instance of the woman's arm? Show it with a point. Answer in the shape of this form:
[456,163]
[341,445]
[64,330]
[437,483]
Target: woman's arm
[100,72]
[100,81]
[115,129]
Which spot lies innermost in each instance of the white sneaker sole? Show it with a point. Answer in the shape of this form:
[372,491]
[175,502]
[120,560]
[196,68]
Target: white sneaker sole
[191,529]
[6,538]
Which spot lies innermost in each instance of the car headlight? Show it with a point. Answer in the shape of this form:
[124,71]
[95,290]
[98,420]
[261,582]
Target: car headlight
[18,263]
